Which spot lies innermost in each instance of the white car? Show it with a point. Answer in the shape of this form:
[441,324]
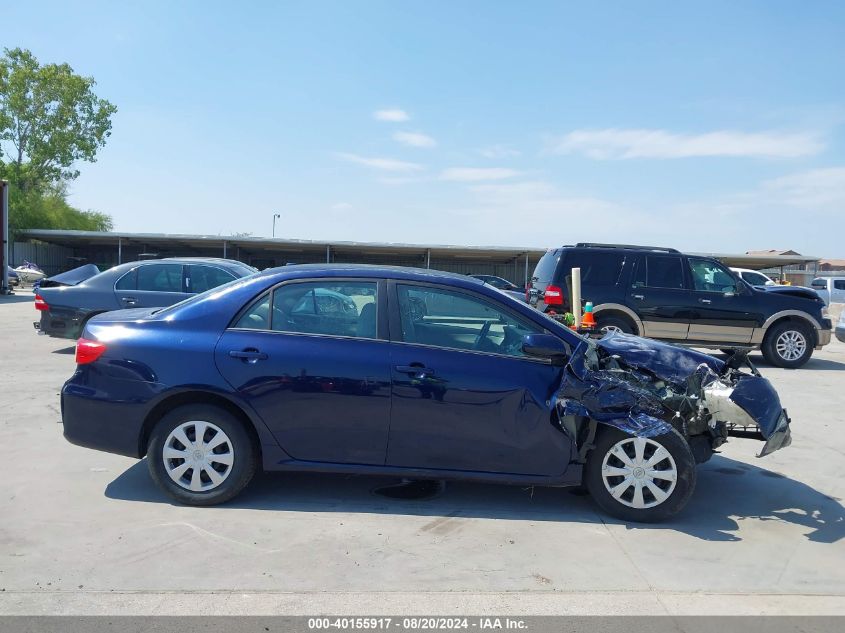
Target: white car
[831,289]
[754,277]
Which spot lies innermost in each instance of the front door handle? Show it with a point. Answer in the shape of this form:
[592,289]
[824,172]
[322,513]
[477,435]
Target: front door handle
[639,297]
[130,301]
[418,370]
[707,301]
[249,355]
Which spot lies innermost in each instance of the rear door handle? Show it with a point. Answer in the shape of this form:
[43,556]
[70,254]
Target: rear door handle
[707,301]
[418,370]
[248,355]
[640,297]
[130,301]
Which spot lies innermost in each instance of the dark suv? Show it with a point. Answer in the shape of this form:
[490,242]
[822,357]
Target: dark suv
[664,294]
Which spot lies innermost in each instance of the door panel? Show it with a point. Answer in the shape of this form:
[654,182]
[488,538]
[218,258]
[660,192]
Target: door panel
[324,399]
[464,395]
[723,310]
[660,296]
[474,412]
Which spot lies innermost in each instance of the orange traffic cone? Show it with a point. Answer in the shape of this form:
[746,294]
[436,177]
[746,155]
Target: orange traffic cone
[588,320]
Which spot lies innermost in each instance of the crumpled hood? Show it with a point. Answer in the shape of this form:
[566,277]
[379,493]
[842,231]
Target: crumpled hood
[667,361]
[792,291]
[645,387]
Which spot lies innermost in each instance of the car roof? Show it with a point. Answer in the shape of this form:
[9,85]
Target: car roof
[371,270]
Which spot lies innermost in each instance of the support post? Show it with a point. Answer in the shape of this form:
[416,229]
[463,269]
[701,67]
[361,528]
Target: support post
[328,254]
[576,296]
[224,249]
[4,232]
[526,270]
[428,258]
[119,250]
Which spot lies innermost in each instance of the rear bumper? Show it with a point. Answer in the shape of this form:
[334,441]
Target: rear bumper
[110,423]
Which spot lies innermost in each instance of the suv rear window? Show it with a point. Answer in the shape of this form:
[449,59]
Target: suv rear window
[545,270]
[598,268]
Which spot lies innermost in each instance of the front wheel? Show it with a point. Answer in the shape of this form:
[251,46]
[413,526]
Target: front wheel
[201,455]
[642,479]
[788,344]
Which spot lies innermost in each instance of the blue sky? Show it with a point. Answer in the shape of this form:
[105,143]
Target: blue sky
[710,126]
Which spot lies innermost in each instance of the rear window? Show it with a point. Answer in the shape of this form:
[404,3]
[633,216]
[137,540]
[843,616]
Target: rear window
[819,283]
[545,270]
[597,268]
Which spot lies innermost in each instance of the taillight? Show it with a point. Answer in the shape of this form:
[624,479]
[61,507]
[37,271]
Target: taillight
[40,304]
[88,351]
[553,296]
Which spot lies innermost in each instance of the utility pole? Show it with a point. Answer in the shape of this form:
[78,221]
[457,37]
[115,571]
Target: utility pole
[4,234]
[275,215]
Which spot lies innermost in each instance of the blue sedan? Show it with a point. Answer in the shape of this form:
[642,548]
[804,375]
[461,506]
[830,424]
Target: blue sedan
[403,372]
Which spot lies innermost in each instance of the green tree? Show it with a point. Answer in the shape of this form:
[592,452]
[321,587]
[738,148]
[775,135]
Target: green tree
[50,120]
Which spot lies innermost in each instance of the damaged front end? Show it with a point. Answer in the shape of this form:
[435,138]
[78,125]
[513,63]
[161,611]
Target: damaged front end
[644,387]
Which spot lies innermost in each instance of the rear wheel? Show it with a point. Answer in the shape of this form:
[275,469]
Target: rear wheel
[201,455]
[788,344]
[611,323]
[641,479]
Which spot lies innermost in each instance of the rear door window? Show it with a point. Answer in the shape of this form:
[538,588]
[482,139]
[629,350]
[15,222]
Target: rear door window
[160,277]
[839,284]
[659,271]
[202,278]
[598,269]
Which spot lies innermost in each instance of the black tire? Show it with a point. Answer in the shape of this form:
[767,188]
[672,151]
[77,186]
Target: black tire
[678,496]
[792,330]
[244,455]
[612,321]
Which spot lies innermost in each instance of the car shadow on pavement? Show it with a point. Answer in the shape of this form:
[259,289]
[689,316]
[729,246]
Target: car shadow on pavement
[65,350]
[728,493]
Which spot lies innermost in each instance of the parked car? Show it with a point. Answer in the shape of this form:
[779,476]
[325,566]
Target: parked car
[664,294]
[434,375]
[504,285]
[754,277]
[67,301]
[830,289]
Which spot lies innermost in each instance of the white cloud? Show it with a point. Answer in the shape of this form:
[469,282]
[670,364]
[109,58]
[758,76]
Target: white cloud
[499,151]
[476,174]
[393,115]
[383,164]
[342,206]
[414,139]
[814,189]
[616,144]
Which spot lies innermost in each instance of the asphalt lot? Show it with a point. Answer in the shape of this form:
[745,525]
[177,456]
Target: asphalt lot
[84,532]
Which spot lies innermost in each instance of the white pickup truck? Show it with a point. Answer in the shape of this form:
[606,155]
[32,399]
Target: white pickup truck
[831,289]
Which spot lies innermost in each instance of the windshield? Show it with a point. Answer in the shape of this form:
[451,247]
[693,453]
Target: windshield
[755,279]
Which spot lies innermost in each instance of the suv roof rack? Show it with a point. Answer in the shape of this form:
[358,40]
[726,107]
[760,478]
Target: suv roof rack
[632,246]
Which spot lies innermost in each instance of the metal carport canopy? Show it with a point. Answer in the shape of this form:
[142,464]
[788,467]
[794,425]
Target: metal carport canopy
[501,254]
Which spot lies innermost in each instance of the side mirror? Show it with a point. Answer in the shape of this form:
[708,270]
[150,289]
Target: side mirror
[545,346]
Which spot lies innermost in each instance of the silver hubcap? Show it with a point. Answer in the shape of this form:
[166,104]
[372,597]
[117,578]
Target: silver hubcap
[639,472]
[611,328]
[791,345]
[198,456]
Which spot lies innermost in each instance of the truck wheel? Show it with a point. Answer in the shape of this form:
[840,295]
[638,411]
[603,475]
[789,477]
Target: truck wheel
[611,323]
[642,479]
[788,344]
[201,455]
